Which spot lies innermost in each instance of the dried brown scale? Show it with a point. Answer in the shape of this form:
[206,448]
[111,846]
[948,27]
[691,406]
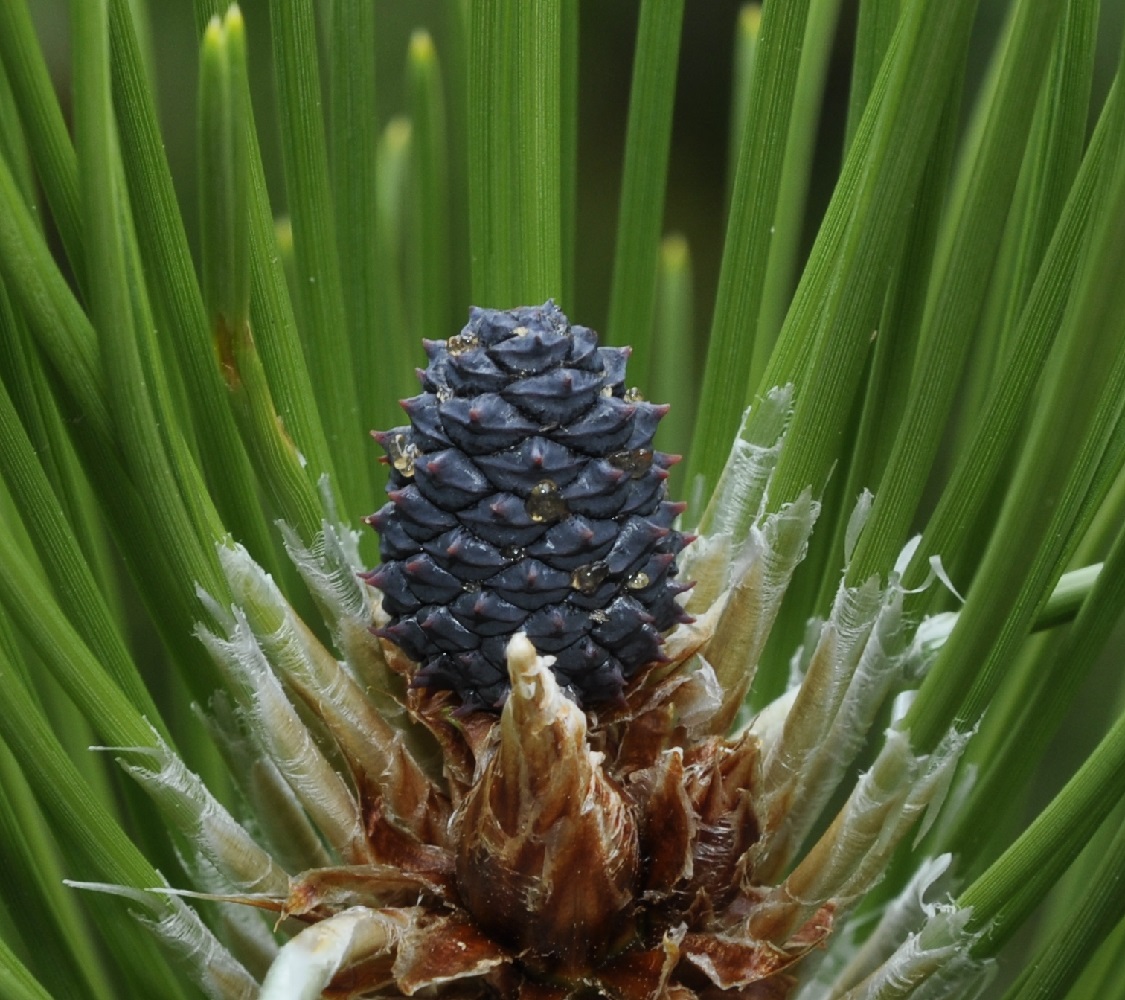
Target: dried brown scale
[533,867]
[586,856]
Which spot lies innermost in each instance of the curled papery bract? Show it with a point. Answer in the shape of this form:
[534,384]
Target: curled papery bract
[286,741]
[850,856]
[381,767]
[202,819]
[854,658]
[181,931]
[849,963]
[739,497]
[935,963]
[761,567]
[307,964]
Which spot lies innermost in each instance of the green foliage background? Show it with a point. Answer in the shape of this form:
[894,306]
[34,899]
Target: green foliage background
[913,236]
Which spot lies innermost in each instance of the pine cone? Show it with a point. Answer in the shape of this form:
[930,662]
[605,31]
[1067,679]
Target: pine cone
[525,497]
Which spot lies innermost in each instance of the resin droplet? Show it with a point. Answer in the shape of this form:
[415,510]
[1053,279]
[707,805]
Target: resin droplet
[636,462]
[461,343]
[638,581]
[513,553]
[521,331]
[599,616]
[471,587]
[545,503]
[633,395]
[586,579]
[607,390]
[402,454]
[444,394]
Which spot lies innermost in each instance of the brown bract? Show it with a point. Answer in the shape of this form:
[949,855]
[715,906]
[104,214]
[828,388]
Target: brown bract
[575,854]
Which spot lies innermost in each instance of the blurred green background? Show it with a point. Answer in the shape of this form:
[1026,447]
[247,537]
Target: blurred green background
[695,200]
[696,178]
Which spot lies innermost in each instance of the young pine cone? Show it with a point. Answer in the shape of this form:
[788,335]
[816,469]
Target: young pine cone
[638,852]
[525,497]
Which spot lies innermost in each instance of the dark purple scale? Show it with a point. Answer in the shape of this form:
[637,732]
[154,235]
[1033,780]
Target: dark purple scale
[502,519]
[484,425]
[556,397]
[575,542]
[603,428]
[525,496]
[584,349]
[487,613]
[428,433]
[465,555]
[518,469]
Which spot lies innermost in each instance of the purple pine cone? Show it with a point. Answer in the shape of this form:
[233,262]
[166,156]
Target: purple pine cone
[525,496]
